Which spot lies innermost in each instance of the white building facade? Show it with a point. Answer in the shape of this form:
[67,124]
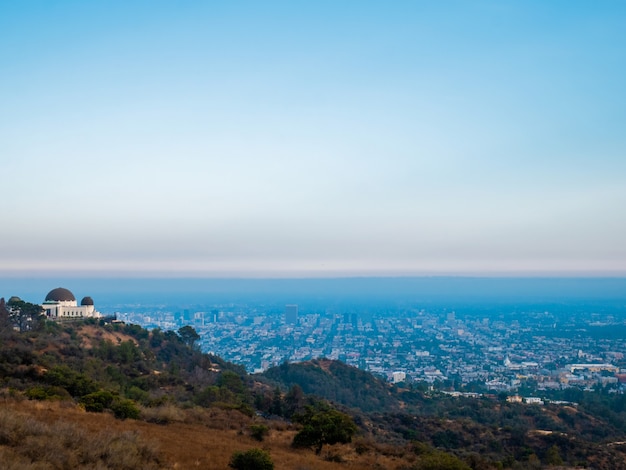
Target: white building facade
[60,304]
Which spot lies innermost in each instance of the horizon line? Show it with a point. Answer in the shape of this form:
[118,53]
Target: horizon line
[249,275]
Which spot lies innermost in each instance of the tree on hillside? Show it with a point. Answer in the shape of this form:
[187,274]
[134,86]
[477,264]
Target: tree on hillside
[323,426]
[188,335]
[294,401]
[24,315]
[553,457]
[231,381]
[276,406]
[5,321]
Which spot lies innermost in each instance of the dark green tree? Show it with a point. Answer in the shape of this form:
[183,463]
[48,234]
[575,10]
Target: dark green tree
[323,426]
[231,381]
[294,401]
[253,459]
[5,321]
[156,338]
[188,335]
[276,407]
[553,456]
[24,315]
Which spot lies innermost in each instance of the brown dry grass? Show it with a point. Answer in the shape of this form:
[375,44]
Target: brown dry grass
[28,443]
[196,443]
[91,336]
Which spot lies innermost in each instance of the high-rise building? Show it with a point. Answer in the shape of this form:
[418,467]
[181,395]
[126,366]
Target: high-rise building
[291,314]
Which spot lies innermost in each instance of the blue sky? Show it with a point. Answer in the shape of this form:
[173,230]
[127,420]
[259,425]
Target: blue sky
[312,138]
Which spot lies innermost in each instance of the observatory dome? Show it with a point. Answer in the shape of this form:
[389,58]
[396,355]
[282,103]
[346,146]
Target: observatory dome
[60,294]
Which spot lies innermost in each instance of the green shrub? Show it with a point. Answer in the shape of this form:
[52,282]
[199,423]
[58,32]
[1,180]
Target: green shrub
[46,393]
[137,394]
[259,431]
[253,459]
[125,409]
[76,384]
[440,461]
[98,401]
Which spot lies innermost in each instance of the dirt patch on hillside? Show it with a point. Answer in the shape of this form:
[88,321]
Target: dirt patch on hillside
[324,364]
[92,335]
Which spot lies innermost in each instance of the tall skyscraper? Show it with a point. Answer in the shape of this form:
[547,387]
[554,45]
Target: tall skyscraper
[291,314]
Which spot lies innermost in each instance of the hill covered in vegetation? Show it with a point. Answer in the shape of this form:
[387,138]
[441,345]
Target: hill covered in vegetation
[337,382]
[91,394]
[578,428]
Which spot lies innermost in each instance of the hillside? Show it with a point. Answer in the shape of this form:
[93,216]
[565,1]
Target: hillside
[190,440]
[482,430]
[151,399]
[337,382]
[89,395]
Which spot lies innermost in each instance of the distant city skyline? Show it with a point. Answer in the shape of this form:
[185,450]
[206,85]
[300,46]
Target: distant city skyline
[326,139]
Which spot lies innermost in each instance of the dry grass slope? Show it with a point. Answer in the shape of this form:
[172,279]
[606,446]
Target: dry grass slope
[59,435]
[29,443]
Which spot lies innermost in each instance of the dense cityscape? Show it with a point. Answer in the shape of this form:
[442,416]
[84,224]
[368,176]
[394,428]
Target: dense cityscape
[525,352]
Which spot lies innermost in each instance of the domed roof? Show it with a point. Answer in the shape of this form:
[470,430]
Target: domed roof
[60,294]
[15,298]
[86,301]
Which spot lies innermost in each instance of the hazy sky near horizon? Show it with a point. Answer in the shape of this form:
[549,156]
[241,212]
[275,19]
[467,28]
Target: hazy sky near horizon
[323,138]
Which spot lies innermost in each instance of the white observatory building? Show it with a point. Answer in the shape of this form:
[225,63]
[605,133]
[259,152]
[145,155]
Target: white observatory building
[60,304]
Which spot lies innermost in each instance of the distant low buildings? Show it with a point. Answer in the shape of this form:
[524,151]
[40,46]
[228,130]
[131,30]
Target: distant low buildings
[533,400]
[398,377]
[60,304]
[593,367]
